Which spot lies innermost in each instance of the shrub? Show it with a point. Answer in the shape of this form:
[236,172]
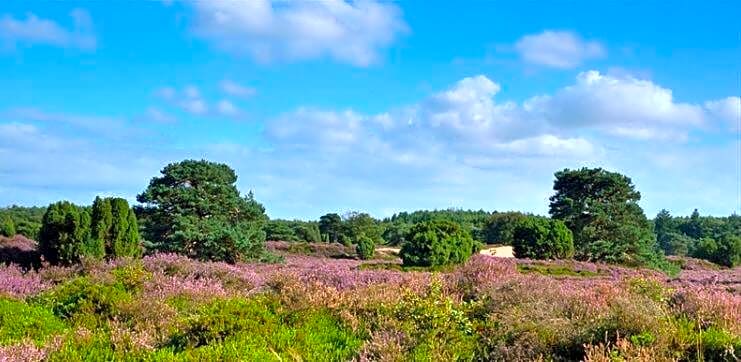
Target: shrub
[259,329]
[113,224]
[19,321]
[84,298]
[65,235]
[365,247]
[725,251]
[7,227]
[542,238]
[435,243]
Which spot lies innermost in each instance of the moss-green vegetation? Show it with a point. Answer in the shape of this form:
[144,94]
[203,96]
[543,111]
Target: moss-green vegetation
[556,270]
[20,321]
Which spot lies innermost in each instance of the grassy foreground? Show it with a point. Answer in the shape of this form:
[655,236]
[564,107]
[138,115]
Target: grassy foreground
[327,307]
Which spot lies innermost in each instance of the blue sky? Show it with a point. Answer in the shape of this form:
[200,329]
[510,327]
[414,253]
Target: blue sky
[331,106]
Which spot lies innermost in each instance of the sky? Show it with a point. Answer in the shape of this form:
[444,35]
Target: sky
[333,106]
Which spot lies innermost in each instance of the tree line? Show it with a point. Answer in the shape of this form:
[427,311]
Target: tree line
[194,208]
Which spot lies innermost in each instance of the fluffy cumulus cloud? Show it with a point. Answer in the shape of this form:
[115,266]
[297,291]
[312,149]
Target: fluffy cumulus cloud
[32,29]
[626,106]
[727,110]
[353,32]
[558,49]
[462,146]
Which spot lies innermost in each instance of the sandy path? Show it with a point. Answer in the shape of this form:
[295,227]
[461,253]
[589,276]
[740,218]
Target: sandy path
[499,251]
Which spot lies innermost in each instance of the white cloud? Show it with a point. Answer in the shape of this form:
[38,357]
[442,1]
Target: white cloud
[227,108]
[622,106]
[188,99]
[235,89]
[727,110]
[462,146]
[351,32]
[558,49]
[35,30]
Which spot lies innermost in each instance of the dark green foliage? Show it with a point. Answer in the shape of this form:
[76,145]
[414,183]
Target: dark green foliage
[395,233]
[365,247]
[27,220]
[500,227]
[7,227]
[19,321]
[356,224]
[295,230]
[470,220]
[435,243]
[330,226]
[101,220]
[308,232]
[195,209]
[65,235]
[601,209]
[725,251]
[115,227]
[280,230]
[711,238]
[542,238]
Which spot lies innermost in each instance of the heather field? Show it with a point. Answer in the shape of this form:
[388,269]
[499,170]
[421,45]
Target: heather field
[321,304]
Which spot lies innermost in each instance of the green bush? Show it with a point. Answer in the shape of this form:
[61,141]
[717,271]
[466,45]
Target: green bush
[542,238]
[19,321]
[65,235]
[84,299]
[114,225]
[438,329]
[365,247]
[259,329]
[7,227]
[436,243]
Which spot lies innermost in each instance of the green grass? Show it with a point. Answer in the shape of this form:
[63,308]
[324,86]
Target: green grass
[403,268]
[239,329]
[19,321]
[555,270]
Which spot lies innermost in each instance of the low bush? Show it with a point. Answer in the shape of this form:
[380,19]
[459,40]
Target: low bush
[20,321]
[435,243]
[542,238]
[365,247]
[84,298]
[259,329]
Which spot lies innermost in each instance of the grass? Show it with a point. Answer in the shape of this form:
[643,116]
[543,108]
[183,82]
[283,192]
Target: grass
[405,268]
[556,270]
[20,321]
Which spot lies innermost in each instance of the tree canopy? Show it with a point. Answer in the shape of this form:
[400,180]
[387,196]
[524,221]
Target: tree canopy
[601,209]
[195,209]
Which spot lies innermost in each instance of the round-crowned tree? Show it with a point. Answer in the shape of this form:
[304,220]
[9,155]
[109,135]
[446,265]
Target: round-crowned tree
[436,243]
[195,209]
[601,210]
[542,238]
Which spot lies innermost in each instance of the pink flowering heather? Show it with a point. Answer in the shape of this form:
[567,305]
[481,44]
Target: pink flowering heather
[16,283]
